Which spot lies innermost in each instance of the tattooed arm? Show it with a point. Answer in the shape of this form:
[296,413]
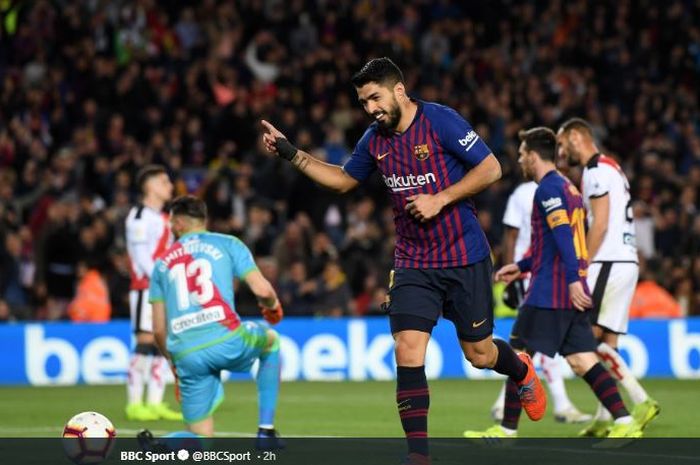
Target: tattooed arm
[331,176]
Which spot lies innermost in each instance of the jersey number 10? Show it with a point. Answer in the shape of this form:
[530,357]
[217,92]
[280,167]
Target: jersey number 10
[203,288]
[578,217]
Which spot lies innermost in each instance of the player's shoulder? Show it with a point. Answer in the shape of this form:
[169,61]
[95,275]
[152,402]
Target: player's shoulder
[166,257]
[140,213]
[371,131]
[601,163]
[435,111]
[525,191]
[551,186]
[224,240]
[135,213]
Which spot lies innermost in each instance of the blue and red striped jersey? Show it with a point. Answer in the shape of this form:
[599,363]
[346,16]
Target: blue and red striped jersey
[558,254]
[436,151]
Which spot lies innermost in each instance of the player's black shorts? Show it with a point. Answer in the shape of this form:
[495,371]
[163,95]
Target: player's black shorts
[548,331]
[463,295]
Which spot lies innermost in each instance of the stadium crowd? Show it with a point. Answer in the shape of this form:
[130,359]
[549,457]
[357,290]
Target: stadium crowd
[91,91]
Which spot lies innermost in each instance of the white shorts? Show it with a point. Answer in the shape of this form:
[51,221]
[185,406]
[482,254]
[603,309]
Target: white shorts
[612,285]
[141,311]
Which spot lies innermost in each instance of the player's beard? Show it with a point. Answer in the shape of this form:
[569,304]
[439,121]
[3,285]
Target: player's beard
[527,168]
[573,158]
[393,116]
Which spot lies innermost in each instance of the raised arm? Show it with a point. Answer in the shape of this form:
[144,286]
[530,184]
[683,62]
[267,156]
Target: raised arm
[331,176]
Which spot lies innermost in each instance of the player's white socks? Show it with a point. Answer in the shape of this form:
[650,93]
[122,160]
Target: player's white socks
[618,368]
[156,382]
[500,400]
[137,377]
[555,382]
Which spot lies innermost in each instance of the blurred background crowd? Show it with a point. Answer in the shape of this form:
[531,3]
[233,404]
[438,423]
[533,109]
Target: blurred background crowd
[92,90]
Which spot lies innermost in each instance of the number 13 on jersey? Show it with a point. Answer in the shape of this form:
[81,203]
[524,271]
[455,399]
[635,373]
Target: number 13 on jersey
[202,288]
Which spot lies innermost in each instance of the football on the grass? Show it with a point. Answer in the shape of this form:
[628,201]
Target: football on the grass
[88,437]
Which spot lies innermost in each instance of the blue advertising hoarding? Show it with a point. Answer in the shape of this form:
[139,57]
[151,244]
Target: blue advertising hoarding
[313,349]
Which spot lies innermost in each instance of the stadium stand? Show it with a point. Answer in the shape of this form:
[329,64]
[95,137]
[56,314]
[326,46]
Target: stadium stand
[91,91]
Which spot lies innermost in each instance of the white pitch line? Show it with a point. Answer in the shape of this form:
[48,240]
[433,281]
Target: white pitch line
[122,431]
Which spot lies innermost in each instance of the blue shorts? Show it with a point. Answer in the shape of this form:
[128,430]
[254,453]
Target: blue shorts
[550,331]
[463,295]
[199,372]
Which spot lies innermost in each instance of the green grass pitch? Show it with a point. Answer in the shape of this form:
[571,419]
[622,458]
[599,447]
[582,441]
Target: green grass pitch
[346,409]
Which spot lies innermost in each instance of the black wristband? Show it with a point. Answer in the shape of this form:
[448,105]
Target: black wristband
[285,149]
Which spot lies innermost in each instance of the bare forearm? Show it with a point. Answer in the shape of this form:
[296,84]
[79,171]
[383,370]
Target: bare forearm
[595,239]
[160,342]
[331,176]
[475,181]
[510,238]
[262,289]
[268,299]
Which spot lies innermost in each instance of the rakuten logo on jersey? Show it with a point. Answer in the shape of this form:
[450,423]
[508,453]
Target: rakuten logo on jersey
[404,183]
[469,140]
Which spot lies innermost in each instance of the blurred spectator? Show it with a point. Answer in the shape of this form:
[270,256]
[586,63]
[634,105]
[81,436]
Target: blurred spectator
[297,292]
[293,244]
[371,299]
[118,277]
[91,302]
[12,291]
[333,292]
[6,315]
[653,301]
[57,257]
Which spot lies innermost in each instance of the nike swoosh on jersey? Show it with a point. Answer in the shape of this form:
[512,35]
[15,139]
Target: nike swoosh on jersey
[382,155]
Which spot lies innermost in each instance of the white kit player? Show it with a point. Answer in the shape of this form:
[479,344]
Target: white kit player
[614,268]
[147,236]
[517,219]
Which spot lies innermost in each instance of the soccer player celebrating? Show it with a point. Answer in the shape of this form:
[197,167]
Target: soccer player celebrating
[516,243]
[552,318]
[147,236]
[197,327]
[614,269]
[432,163]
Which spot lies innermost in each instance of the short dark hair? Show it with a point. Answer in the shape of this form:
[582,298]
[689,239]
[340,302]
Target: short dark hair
[148,172]
[541,140]
[578,124]
[189,205]
[382,71]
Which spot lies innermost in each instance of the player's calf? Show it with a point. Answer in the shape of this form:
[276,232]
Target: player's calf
[268,382]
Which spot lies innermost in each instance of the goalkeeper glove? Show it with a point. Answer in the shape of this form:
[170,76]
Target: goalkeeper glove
[272,315]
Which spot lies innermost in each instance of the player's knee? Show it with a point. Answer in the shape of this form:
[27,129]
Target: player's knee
[478,356]
[272,340]
[598,333]
[480,360]
[582,362]
[409,353]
